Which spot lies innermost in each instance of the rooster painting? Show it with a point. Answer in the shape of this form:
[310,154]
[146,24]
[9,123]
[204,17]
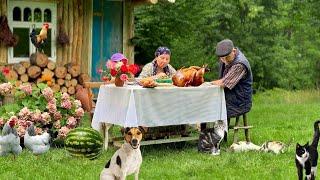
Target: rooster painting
[38,144]
[40,40]
[10,141]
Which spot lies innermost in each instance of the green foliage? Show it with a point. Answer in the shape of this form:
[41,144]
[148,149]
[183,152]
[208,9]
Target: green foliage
[280,39]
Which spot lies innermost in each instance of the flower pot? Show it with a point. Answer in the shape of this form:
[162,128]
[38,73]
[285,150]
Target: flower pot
[118,82]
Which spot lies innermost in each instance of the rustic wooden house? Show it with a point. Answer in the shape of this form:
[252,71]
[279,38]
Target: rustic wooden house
[95,28]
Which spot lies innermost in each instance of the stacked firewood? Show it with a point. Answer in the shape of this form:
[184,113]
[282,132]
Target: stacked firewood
[40,69]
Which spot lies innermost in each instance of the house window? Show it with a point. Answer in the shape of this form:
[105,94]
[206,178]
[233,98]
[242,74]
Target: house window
[23,17]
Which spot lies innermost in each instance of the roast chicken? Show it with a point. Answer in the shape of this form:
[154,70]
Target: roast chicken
[191,76]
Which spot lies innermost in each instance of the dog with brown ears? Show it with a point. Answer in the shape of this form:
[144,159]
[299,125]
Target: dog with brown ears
[126,160]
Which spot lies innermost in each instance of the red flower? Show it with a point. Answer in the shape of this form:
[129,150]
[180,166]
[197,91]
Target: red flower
[113,72]
[125,61]
[5,70]
[124,68]
[133,68]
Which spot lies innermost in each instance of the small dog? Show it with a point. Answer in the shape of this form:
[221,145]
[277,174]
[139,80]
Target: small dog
[126,160]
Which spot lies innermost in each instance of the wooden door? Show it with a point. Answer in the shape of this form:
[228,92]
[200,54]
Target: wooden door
[106,33]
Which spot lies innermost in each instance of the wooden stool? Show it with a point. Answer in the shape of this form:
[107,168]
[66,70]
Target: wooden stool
[237,126]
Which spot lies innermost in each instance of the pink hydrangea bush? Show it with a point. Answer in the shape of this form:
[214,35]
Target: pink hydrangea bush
[56,113]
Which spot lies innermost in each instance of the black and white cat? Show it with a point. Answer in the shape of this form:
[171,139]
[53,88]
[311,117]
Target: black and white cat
[307,156]
[210,138]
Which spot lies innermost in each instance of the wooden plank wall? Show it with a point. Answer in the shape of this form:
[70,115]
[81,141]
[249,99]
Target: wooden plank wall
[3,48]
[76,16]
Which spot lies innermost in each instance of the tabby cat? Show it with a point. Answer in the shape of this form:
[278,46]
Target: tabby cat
[307,156]
[210,138]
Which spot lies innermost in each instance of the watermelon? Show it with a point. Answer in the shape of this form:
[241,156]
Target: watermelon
[84,142]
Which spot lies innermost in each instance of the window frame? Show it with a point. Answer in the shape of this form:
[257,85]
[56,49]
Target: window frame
[52,6]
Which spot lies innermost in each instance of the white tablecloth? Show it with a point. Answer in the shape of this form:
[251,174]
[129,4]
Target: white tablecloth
[132,106]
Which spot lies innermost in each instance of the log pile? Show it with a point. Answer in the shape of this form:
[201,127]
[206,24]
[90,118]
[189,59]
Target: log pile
[40,69]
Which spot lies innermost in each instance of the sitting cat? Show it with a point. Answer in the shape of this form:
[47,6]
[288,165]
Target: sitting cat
[307,156]
[210,138]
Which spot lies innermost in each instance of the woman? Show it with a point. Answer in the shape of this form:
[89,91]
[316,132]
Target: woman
[159,67]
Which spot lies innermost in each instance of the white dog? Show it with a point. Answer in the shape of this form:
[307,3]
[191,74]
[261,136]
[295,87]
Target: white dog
[126,160]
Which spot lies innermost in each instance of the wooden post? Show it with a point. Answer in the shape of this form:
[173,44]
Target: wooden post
[75,32]
[235,135]
[60,16]
[66,49]
[70,5]
[246,130]
[80,32]
[128,30]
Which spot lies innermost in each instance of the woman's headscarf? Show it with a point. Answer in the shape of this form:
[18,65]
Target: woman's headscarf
[161,50]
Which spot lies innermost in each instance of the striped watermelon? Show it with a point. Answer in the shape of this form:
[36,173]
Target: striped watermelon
[84,142]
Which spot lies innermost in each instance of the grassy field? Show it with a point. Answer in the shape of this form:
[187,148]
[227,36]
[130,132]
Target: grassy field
[276,115]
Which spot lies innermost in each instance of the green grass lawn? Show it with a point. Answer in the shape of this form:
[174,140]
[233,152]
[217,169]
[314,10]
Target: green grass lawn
[276,115]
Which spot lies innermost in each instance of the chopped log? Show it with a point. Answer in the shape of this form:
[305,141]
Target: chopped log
[24,78]
[34,71]
[48,72]
[55,87]
[68,76]
[60,72]
[83,77]
[63,89]
[60,81]
[71,90]
[12,75]
[51,65]
[67,83]
[25,64]
[74,82]
[19,68]
[39,59]
[73,69]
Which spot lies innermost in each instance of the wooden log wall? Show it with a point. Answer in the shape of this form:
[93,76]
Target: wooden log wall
[76,16]
[3,48]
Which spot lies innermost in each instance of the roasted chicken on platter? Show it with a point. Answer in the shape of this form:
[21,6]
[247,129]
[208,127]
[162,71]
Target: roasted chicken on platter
[191,76]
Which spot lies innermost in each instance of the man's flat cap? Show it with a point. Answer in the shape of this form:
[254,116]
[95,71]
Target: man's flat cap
[224,47]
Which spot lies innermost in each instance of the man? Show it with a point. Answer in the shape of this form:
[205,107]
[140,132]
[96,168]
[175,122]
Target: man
[235,77]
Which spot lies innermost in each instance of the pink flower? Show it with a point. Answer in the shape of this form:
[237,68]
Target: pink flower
[62,133]
[65,96]
[111,64]
[22,123]
[25,113]
[46,118]
[52,101]
[52,108]
[66,104]
[124,77]
[26,88]
[77,103]
[14,118]
[79,112]
[72,122]
[48,93]
[57,124]
[57,116]
[36,116]
[21,131]
[1,122]
[38,131]
[99,71]
[5,88]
